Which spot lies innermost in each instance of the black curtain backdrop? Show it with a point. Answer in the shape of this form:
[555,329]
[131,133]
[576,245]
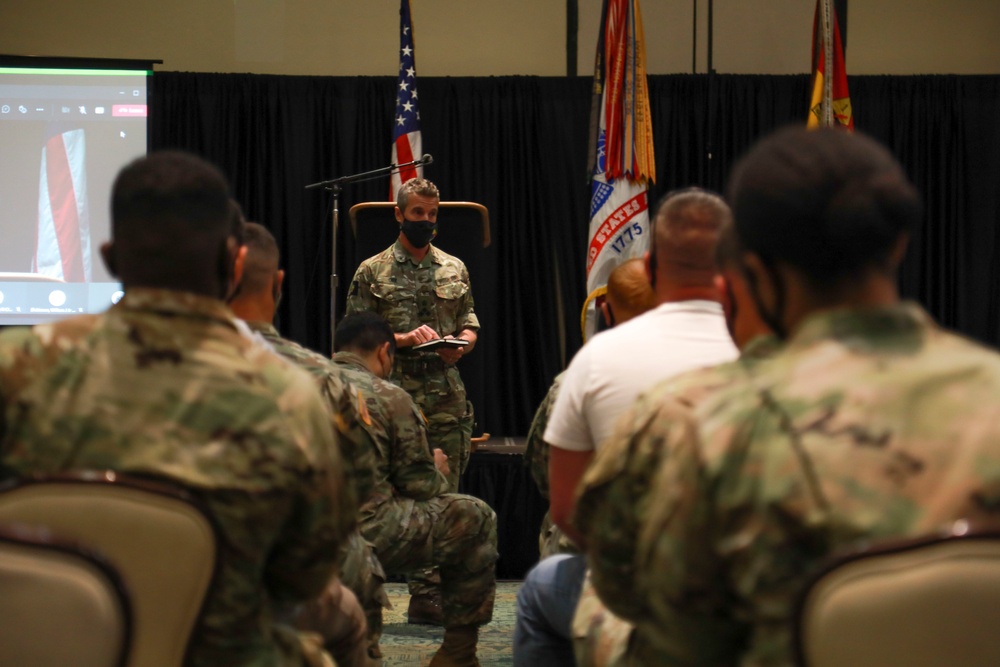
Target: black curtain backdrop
[518,145]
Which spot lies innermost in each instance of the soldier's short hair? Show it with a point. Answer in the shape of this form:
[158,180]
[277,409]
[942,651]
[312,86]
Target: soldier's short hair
[363,332]
[262,260]
[828,202]
[171,218]
[419,186]
[170,188]
[686,228]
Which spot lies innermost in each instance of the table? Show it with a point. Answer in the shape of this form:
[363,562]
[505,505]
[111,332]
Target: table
[498,476]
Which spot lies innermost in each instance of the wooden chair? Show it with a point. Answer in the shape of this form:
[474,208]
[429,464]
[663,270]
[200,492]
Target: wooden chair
[929,602]
[157,537]
[60,604]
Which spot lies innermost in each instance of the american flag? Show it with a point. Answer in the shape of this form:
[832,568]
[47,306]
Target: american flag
[406,142]
[62,247]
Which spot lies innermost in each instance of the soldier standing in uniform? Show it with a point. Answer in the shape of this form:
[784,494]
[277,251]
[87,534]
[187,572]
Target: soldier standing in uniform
[411,518]
[256,303]
[424,293]
[166,383]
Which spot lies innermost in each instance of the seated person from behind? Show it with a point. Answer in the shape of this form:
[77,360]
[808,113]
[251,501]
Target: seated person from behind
[410,518]
[256,302]
[628,294]
[871,423]
[165,384]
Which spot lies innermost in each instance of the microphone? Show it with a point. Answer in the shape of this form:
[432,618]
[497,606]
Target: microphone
[375,173]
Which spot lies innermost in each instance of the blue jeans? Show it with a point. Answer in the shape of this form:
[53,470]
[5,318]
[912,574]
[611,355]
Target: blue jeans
[546,603]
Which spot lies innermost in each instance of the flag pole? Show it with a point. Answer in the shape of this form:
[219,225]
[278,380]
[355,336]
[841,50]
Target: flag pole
[826,108]
[336,189]
[694,37]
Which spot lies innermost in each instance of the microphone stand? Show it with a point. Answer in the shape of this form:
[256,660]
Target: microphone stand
[336,186]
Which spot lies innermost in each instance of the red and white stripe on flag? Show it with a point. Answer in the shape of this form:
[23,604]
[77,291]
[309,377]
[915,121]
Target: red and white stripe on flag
[406,148]
[406,142]
[62,247]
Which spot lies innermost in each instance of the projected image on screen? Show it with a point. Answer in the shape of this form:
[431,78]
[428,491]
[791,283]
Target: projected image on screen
[65,134]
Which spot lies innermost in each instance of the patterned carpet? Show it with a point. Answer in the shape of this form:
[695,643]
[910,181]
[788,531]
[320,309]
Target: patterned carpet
[413,645]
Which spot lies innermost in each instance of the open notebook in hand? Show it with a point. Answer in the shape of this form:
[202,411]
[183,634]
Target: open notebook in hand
[441,342]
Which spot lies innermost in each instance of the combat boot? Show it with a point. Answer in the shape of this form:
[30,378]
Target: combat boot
[458,648]
[425,609]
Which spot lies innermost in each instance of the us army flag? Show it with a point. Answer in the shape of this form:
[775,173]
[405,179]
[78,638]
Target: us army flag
[621,148]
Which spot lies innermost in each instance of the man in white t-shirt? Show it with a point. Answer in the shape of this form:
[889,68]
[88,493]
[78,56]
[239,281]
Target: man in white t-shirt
[687,330]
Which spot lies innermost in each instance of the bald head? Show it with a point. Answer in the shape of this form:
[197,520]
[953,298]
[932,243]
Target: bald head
[172,225]
[686,232]
[629,292]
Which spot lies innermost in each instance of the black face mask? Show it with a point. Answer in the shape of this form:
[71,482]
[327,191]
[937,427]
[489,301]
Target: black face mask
[419,232]
[275,293]
[734,310]
[772,319]
[227,266]
[607,319]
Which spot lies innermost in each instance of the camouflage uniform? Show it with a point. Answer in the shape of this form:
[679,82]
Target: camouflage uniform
[360,570]
[871,424]
[616,495]
[551,540]
[411,519]
[165,384]
[435,292]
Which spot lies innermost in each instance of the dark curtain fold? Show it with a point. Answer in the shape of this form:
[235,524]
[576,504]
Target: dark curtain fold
[518,145]
[944,131]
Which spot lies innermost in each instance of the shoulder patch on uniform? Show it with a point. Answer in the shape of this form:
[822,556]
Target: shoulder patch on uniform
[366,416]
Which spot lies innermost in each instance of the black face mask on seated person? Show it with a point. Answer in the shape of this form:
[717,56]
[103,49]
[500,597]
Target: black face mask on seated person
[419,232]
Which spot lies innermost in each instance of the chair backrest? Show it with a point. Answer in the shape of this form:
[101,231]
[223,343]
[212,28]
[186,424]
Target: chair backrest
[161,542]
[59,604]
[378,216]
[922,603]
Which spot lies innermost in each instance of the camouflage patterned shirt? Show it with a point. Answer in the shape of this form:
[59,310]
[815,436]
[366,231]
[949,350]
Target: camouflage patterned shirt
[435,291]
[870,424]
[551,539]
[347,406]
[406,471]
[164,384]
[616,495]
[536,450]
